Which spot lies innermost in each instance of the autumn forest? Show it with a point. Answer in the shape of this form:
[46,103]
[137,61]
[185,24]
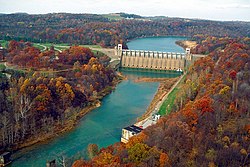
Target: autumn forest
[45,93]
[105,31]
[50,90]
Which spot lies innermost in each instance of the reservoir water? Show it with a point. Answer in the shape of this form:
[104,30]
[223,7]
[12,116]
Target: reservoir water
[163,44]
[103,125]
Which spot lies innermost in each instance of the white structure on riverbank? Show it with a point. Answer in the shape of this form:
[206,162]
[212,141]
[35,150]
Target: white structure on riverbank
[129,131]
[149,121]
[133,130]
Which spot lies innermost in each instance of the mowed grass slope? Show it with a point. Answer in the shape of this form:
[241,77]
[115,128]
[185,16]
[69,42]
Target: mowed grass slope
[4,43]
[167,105]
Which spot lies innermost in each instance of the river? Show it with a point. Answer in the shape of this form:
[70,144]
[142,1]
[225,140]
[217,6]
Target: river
[103,125]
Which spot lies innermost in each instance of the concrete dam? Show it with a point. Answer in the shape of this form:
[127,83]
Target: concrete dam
[153,60]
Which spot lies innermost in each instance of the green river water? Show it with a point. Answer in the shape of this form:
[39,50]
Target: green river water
[103,125]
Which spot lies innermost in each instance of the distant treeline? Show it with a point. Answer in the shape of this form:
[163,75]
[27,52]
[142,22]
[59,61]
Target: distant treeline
[97,29]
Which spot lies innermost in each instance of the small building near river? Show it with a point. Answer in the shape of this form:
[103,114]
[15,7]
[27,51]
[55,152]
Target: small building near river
[5,159]
[129,131]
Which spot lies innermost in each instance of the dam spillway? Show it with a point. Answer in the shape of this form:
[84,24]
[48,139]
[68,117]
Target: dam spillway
[152,60]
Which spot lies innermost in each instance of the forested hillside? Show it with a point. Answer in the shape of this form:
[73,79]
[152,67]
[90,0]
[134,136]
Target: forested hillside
[98,29]
[44,92]
[210,123]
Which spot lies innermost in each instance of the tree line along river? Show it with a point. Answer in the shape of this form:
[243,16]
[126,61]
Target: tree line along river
[103,125]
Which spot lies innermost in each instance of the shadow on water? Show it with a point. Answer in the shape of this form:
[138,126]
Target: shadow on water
[133,73]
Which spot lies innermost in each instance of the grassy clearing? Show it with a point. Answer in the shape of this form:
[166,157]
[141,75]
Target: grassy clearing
[91,46]
[56,46]
[61,46]
[98,53]
[4,43]
[2,67]
[64,46]
[112,16]
[38,46]
[168,103]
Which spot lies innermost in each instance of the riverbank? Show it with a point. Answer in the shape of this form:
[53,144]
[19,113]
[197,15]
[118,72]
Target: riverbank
[159,99]
[76,114]
[165,86]
[59,130]
[187,44]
